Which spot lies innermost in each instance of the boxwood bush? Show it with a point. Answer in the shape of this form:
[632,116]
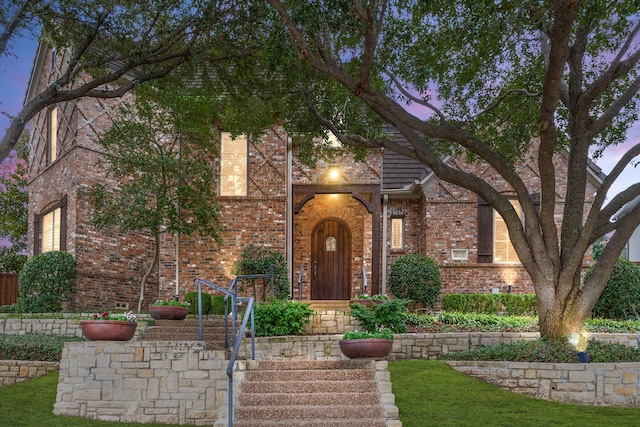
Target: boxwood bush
[192,299]
[621,296]
[46,281]
[415,277]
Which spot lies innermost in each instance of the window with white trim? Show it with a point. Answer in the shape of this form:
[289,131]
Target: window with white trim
[233,165]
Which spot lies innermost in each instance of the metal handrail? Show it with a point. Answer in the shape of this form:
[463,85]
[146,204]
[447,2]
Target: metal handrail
[236,349]
[300,283]
[249,313]
[364,279]
[199,282]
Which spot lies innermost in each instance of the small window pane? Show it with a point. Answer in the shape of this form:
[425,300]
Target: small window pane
[331,244]
[397,233]
[53,134]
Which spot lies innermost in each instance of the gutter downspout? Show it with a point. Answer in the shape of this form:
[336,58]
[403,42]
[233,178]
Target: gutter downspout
[385,204]
[289,213]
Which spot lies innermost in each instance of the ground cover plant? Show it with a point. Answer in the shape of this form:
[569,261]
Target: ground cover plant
[429,393]
[47,348]
[543,350]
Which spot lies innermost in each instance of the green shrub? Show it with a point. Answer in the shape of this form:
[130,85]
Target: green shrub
[621,296]
[47,280]
[192,299]
[218,305]
[47,348]
[11,308]
[511,304]
[415,277]
[390,314]
[258,260]
[278,317]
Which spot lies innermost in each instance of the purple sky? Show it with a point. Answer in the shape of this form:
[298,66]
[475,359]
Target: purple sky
[15,70]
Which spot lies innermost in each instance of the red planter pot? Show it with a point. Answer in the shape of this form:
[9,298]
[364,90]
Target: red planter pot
[366,348]
[108,330]
[168,312]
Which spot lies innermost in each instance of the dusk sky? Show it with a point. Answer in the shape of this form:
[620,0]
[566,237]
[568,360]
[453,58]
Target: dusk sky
[15,70]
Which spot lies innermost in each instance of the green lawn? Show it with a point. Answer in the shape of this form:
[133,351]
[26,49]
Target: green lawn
[429,393]
[30,404]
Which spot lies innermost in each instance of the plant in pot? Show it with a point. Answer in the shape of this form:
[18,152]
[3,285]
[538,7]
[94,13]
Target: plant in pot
[169,309]
[107,326]
[379,323]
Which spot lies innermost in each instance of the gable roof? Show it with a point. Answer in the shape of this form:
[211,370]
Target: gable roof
[403,176]
[400,172]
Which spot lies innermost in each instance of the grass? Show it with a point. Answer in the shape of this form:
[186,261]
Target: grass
[429,393]
[30,403]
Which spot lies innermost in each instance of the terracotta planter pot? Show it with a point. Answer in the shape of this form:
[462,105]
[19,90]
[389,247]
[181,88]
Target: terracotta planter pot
[366,348]
[168,312]
[108,330]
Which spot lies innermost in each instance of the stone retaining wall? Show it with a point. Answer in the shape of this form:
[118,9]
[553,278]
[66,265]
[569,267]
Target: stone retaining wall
[67,325]
[143,381]
[16,371]
[581,383]
[405,346]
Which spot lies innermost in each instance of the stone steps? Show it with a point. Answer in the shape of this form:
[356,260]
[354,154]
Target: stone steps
[187,330]
[341,393]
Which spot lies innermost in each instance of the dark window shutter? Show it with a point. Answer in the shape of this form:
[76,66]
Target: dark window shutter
[63,223]
[36,234]
[485,232]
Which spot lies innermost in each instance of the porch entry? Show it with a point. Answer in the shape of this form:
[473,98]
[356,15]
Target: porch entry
[331,260]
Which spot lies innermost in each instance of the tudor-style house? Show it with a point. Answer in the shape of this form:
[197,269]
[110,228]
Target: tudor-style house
[341,224]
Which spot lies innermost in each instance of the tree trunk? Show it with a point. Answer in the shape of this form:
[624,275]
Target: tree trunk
[560,315]
[156,255]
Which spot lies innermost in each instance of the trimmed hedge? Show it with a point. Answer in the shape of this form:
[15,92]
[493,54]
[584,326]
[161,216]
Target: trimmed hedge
[510,304]
[415,277]
[192,299]
[46,281]
[621,296]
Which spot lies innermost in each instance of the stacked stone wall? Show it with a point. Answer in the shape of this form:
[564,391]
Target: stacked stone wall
[17,371]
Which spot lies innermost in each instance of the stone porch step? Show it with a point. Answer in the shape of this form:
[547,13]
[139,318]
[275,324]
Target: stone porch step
[187,330]
[340,393]
[338,305]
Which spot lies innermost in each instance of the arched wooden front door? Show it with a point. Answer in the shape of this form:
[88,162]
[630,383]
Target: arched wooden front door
[330,260]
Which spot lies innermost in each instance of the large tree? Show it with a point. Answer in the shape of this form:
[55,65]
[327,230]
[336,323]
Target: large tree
[114,46]
[512,78]
[159,154]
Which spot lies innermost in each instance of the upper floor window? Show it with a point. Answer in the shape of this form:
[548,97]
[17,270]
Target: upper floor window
[52,137]
[233,165]
[397,233]
[54,56]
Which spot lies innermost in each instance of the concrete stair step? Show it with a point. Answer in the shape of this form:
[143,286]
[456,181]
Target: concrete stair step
[308,387]
[309,375]
[282,365]
[320,422]
[305,412]
[317,399]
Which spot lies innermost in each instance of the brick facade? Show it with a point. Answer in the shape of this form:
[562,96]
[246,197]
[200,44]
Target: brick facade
[286,200]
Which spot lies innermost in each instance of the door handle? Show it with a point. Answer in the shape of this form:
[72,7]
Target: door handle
[315,269]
